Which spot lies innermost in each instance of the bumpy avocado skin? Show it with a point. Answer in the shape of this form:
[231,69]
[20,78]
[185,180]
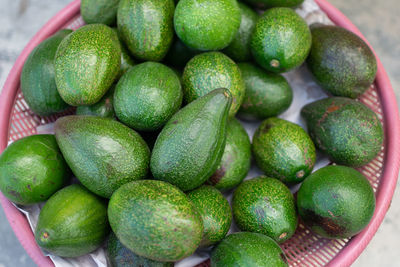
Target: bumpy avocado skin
[346,130]
[179,54]
[239,48]
[236,160]
[104,108]
[155,220]
[87,62]
[72,223]
[281,40]
[267,94]
[38,77]
[248,249]
[102,153]
[266,206]
[147,96]
[336,202]
[215,212]
[120,256]
[190,146]
[32,169]
[207,24]
[99,11]
[209,71]
[274,3]
[146,26]
[341,62]
[283,150]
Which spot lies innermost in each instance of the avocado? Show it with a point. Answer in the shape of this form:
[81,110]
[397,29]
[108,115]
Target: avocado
[72,223]
[146,26]
[190,146]
[120,256]
[235,162]
[99,11]
[179,54]
[336,202]
[32,169]
[38,83]
[156,220]
[341,62]
[265,205]
[103,108]
[239,48]
[86,64]
[209,71]
[215,212]
[102,153]
[274,3]
[207,24]
[346,130]
[126,60]
[248,249]
[267,94]
[283,150]
[281,40]
[147,96]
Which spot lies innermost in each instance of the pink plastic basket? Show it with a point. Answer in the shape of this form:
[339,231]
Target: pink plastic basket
[304,248]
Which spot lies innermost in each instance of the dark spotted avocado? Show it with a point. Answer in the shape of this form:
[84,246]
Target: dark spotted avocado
[103,108]
[274,3]
[99,11]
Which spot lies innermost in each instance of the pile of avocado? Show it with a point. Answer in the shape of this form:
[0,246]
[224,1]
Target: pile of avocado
[155,145]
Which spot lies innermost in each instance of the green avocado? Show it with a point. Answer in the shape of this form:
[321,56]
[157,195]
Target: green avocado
[209,71]
[102,153]
[32,169]
[341,62]
[207,24]
[283,150]
[120,256]
[87,62]
[38,83]
[267,94]
[147,96]
[346,130]
[274,3]
[281,40]
[336,202]
[239,48]
[215,212]
[155,220]
[179,54]
[248,249]
[72,223]
[236,160]
[190,146]
[99,11]
[126,60]
[266,206]
[103,108]
[146,26]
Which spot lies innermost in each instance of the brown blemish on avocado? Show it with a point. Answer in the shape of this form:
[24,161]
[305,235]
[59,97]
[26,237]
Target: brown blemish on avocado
[300,174]
[274,63]
[329,226]
[283,235]
[217,176]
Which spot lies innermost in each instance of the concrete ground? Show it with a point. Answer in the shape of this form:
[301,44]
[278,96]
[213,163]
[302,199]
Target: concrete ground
[378,20]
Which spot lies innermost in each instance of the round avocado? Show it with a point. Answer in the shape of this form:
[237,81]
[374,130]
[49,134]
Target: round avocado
[103,108]
[156,220]
[266,206]
[32,169]
[147,96]
[281,40]
[267,94]
[99,11]
[336,202]
[215,212]
[207,24]
[274,3]
[209,71]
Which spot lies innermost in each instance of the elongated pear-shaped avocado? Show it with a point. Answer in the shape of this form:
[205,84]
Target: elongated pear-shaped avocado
[190,146]
[102,153]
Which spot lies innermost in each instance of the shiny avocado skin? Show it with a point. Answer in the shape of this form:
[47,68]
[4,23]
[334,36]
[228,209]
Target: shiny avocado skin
[103,108]
[265,205]
[87,62]
[32,169]
[346,130]
[113,153]
[336,202]
[146,27]
[274,3]
[38,77]
[99,11]
[155,220]
[341,62]
[248,249]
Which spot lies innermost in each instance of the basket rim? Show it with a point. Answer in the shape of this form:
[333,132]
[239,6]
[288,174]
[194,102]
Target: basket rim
[345,257]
